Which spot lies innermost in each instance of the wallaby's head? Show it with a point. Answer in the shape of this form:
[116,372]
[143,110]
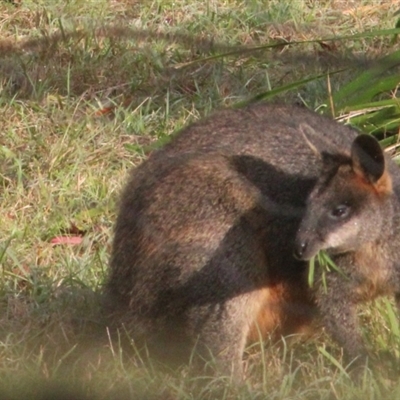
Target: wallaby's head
[348,204]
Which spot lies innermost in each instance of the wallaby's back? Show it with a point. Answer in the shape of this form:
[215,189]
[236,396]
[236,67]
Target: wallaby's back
[203,243]
[270,132]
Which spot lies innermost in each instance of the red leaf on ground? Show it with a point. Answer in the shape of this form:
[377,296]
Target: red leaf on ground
[70,240]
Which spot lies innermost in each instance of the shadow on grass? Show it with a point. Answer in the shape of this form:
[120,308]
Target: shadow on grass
[59,348]
[136,64]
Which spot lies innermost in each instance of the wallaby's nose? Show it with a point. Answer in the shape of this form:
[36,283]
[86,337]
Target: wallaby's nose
[300,249]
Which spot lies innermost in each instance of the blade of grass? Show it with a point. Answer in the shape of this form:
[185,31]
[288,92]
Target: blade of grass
[284,88]
[393,319]
[364,87]
[333,360]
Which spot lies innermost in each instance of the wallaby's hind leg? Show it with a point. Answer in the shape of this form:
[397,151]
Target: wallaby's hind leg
[224,332]
[218,301]
[219,305]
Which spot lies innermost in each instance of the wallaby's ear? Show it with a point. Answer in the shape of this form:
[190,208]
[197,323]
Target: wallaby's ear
[308,132]
[328,159]
[368,162]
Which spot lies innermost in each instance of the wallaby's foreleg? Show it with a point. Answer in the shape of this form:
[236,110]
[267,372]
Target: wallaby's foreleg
[338,307]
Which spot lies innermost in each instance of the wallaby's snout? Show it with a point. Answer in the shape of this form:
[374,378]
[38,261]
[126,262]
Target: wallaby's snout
[301,250]
[307,243]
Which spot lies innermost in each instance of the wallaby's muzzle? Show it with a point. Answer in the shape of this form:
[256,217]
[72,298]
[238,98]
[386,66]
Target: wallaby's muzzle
[303,251]
[306,246]
[299,250]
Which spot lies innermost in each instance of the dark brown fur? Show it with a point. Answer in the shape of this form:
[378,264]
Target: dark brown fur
[203,247]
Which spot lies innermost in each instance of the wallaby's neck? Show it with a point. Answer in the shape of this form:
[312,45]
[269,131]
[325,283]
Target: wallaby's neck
[392,225]
[387,243]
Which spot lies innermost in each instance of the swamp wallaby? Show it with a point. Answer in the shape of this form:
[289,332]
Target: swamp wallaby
[208,226]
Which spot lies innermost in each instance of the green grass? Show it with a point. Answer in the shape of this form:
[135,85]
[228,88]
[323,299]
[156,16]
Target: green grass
[87,89]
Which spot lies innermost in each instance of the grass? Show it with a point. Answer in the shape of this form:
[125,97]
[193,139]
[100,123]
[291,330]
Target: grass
[88,88]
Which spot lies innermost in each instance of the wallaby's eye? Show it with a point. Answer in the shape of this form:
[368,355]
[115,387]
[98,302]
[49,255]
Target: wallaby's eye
[340,212]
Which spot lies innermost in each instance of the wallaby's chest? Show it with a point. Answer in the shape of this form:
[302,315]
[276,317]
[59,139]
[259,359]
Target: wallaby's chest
[371,273]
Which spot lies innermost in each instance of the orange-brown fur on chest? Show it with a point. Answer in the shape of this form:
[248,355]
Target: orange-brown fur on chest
[283,309]
[374,272]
